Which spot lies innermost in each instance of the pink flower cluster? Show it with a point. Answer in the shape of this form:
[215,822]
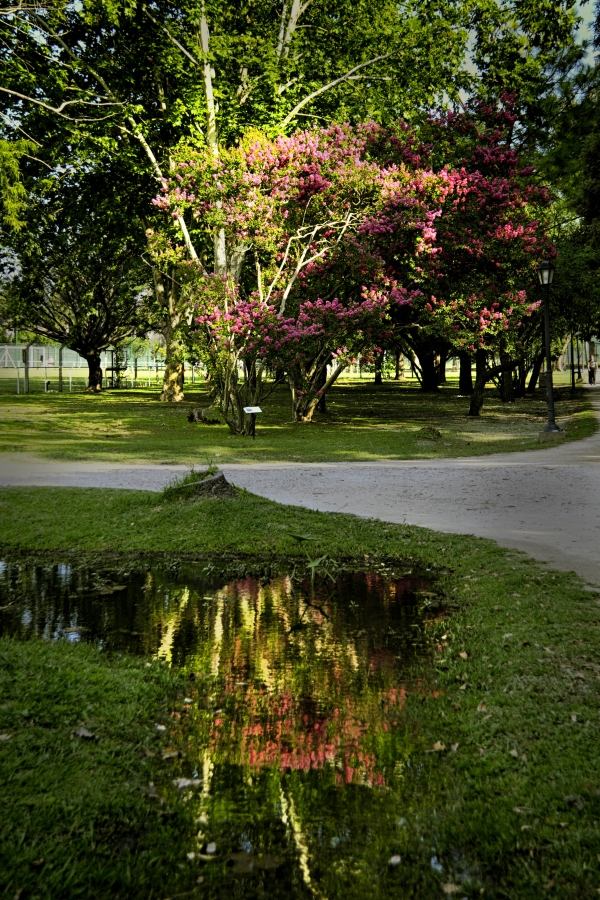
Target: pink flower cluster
[373,219]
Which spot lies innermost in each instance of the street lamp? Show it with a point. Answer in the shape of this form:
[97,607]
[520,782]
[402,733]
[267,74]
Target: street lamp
[545,272]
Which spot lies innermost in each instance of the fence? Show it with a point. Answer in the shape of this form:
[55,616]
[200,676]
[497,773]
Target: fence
[146,369]
[45,364]
[120,368]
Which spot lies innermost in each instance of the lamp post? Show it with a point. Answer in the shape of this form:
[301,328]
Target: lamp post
[545,272]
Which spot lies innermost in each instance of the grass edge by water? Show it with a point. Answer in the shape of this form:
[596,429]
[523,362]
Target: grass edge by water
[522,643]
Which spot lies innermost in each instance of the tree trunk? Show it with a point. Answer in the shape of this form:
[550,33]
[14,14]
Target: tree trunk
[399,375]
[442,367]
[521,380]
[465,377]
[172,391]
[94,372]
[480,381]
[379,368]
[321,381]
[429,370]
[172,312]
[60,369]
[305,395]
[507,388]
[535,373]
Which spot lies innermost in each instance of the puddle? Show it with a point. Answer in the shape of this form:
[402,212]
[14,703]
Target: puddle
[178,612]
[291,747]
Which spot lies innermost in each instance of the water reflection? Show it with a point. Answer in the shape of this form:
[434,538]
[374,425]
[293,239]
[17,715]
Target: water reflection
[291,746]
[303,680]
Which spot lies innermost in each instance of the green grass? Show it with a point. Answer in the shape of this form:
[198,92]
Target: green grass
[364,422]
[78,821]
[517,804]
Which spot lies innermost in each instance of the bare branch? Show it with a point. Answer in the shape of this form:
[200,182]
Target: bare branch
[137,134]
[247,85]
[41,161]
[43,26]
[307,235]
[58,110]
[370,77]
[303,262]
[18,128]
[259,280]
[332,84]
[11,10]
[173,40]
[283,87]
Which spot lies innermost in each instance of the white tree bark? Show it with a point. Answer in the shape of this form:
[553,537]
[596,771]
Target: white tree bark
[283,47]
[212,137]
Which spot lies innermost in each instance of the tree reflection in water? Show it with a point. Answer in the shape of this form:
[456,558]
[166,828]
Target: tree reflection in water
[296,728]
[298,704]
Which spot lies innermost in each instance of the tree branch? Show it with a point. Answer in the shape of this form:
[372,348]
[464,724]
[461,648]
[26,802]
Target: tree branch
[282,29]
[137,133]
[173,40]
[332,84]
[18,128]
[58,110]
[308,235]
[211,126]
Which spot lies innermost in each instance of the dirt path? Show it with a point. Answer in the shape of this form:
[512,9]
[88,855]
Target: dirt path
[545,502]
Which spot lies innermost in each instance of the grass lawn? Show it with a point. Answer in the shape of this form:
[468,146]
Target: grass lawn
[515,684]
[77,819]
[393,421]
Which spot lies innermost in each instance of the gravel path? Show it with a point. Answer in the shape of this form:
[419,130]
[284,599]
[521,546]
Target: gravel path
[544,502]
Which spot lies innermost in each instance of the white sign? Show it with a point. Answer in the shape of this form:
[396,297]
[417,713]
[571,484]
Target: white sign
[252,409]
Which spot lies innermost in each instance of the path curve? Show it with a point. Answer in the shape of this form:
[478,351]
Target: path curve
[544,502]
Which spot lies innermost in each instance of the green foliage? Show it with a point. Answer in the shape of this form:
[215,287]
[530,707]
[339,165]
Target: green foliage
[575,294]
[77,277]
[589,191]
[12,190]
[122,81]
[124,67]
[572,163]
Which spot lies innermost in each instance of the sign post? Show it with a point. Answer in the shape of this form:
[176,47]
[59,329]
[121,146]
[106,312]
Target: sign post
[252,411]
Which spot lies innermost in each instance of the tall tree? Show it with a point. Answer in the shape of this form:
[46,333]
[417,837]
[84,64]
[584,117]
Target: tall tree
[570,162]
[135,79]
[76,275]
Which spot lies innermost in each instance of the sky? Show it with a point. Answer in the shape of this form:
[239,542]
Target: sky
[586,29]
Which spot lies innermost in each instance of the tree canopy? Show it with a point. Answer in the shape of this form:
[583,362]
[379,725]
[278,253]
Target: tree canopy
[77,276]
[120,87]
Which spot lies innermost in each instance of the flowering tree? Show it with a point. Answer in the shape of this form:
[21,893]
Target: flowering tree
[289,271]
[314,249]
[491,234]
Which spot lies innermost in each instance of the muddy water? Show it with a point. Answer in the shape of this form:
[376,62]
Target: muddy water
[292,747]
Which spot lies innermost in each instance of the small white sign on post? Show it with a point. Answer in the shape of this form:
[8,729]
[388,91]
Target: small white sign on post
[252,409]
